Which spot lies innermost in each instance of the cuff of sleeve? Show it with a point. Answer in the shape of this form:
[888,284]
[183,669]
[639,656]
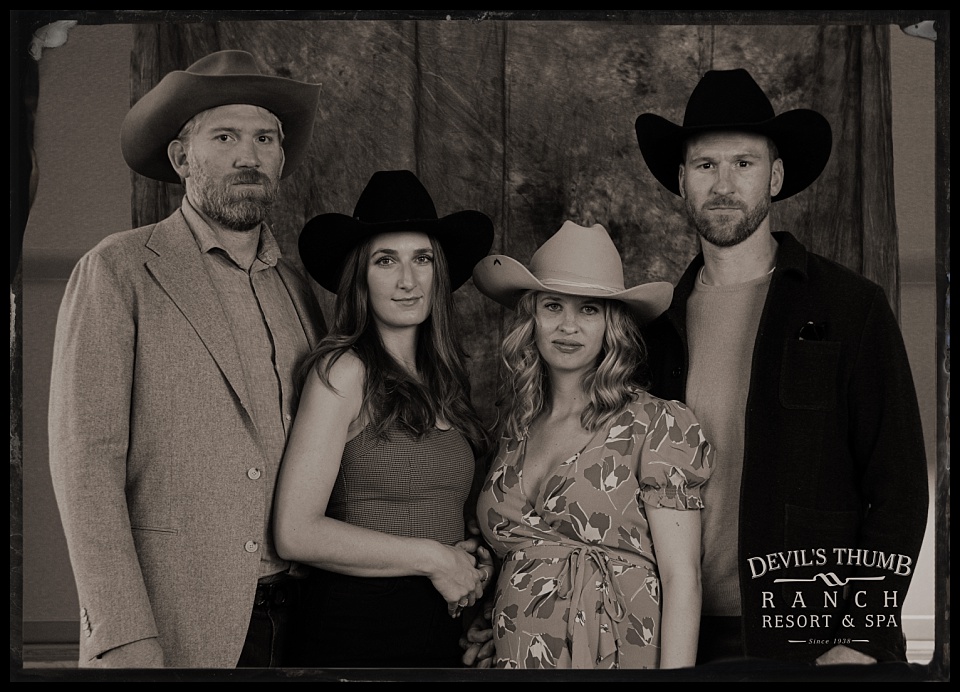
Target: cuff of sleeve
[674,497]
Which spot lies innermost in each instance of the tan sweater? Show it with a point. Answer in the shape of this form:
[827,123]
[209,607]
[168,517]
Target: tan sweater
[722,326]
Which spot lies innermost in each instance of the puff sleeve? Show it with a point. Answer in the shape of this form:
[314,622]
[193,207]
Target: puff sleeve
[675,459]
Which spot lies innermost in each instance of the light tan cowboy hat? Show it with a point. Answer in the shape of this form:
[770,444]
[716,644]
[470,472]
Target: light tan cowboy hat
[220,79]
[574,261]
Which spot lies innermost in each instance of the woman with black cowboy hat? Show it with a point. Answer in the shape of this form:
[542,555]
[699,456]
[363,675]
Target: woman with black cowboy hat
[592,471]
[382,454]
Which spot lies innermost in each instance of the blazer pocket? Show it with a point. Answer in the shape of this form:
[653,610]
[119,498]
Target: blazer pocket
[808,377]
[155,529]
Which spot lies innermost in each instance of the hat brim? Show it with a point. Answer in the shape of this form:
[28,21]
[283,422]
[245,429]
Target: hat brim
[803,138]
[157,118]
[465,237]
[505,280]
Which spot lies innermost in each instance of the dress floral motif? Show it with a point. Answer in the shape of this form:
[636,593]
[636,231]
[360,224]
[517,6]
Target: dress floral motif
[578,587]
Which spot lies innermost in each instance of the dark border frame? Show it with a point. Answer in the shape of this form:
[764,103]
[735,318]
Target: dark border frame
[23,85]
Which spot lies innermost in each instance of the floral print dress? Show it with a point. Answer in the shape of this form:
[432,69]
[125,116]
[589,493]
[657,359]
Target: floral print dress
[578,586]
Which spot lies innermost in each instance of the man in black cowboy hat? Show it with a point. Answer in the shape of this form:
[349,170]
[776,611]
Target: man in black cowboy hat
[797,370]
[172,390]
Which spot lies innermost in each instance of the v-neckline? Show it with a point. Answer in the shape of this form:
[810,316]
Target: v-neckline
[535,500]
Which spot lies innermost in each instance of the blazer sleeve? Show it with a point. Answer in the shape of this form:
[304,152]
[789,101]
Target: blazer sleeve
[89,421]
[888,449]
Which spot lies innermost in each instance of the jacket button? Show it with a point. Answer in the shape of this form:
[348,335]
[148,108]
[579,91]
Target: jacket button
[253,474]
[251,546]
[676,372]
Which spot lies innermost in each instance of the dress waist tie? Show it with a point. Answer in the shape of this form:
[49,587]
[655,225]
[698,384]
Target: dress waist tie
[587,571]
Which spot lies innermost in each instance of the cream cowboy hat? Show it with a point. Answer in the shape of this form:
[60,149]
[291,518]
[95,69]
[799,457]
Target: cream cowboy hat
[574,261]
[220,79]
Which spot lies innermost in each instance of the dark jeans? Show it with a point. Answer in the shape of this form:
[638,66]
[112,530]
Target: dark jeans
[379,622]
[720,639]
[273,625]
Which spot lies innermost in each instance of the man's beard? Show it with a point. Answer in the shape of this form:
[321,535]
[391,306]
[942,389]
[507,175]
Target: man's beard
[726,232]
[239,209]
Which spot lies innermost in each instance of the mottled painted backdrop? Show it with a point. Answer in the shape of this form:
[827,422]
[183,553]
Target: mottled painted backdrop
[532,122]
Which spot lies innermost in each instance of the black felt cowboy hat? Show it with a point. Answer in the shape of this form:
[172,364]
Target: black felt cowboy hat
[219,79]
[393,201]
[732,100]
[576,261]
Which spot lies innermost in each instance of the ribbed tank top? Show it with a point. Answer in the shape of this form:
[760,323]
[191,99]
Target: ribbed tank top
[405,487]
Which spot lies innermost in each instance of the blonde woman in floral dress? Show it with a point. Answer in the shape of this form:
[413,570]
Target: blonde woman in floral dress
[592,501]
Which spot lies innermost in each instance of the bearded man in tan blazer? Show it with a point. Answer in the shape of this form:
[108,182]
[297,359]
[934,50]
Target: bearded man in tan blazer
[174,383]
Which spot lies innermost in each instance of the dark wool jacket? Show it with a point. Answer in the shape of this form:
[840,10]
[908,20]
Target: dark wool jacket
[834,471]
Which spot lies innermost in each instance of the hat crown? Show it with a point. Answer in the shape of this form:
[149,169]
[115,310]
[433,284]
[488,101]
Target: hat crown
[578,256]
[225,62]
[727,97]
[392,196]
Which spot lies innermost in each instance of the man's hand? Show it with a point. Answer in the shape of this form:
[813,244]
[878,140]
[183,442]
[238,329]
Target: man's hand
[844,654]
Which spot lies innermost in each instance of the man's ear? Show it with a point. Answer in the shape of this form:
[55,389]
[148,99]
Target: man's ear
[177,153]
[776,177]
[680,179]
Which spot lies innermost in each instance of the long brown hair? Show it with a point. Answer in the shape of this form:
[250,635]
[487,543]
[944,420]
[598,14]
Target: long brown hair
[390,395]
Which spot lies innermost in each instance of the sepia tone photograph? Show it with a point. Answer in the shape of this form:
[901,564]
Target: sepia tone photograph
[479,345]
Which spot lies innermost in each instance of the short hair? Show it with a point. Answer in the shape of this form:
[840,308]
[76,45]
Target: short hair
[191,127]
[193,124]
[771,145]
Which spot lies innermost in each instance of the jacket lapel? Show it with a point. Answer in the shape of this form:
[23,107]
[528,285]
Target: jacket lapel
[677,312]
[178,268]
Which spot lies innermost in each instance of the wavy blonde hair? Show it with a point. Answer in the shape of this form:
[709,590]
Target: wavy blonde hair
[615,381]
